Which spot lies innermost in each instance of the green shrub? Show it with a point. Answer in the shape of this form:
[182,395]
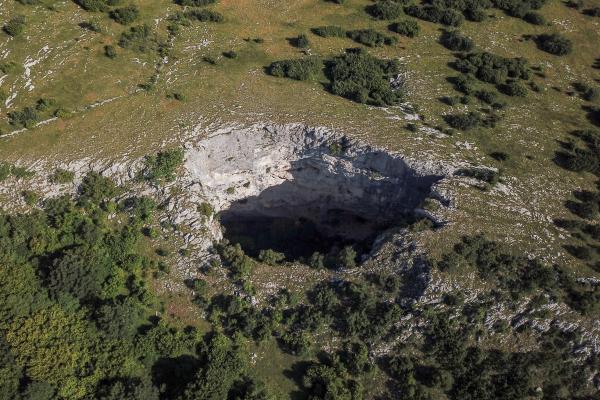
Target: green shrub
[110,51]
[271,257]
[176,96]
[454,40]
[28,117]
[15,26]
[329,31]
[406,27]
[445,16]
[475,14]
[464,121]
[492,68]
[487,96]
[300,69]
[139,38]
[7,67]
[125,15]
[162,166]
[204,16]
[230,54]
[358,76]
[61,176]
[514,88]
[30,197]
[592,12]
[371,38]
[93,5]
[487,175]
[555,44]
[205,209]
[535,18]
[195,3]
[385,9]
[301,41]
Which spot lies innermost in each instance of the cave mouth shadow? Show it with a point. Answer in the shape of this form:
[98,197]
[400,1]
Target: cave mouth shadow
[326,206]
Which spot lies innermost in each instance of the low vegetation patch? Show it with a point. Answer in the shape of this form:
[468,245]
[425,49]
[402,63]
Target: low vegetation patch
[371,38]
[358,76]
[406,27]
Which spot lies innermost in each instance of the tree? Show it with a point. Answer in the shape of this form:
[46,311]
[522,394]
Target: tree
[53,347]
[223,366]
[125,15]
[554,43]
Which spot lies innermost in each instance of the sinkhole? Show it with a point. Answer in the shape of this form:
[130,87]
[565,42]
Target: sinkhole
[298,191]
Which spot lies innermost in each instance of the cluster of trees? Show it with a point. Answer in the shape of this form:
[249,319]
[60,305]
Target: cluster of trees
[75,310]
[507,74]
[140,38]
[516,276]
[29,116]
[447,364]
[365,312]
[583,156]
[453,12]
[355,75]
[358,76]
[491,68]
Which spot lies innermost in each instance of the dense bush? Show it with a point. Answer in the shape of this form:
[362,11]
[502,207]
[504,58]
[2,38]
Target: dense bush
[329,31]
[139,38]
[358,76]
[300,69]
[586,158]
[110,51]
[514,88]
[93,5]
[431,13]
[204,15]
[162,166]
[464,121]
[486,175]
[301,41]
[195,3]
[405,27]
[15,26]
[454,40]
[535,18]
[491,68]
[61,176]
[554,43]
[385,9]
[371,38]
[125,15]
[28,117]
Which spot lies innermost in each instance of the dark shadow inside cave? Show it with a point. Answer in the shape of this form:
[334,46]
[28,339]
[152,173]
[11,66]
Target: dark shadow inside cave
[328,203]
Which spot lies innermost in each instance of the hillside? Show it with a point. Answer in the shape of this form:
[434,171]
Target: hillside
[215,199]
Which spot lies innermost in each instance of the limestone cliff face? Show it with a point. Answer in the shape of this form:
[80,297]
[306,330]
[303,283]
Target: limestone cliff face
[297,171]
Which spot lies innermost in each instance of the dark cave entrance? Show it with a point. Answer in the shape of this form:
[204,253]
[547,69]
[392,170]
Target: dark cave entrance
[322,210]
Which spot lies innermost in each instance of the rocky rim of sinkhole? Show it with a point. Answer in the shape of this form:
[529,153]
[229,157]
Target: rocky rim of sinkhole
[271,179]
